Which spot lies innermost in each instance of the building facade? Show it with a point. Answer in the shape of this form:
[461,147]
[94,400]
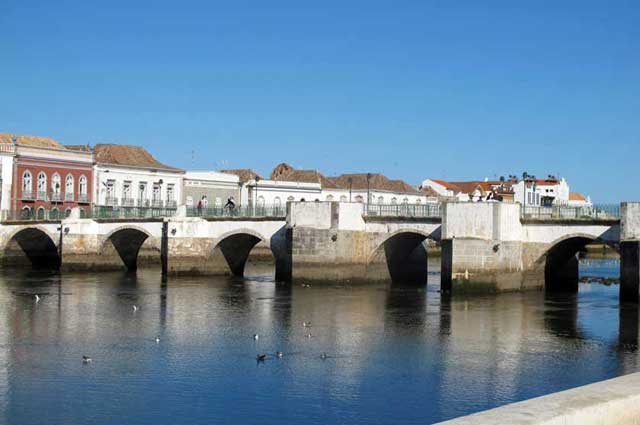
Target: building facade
[210,188]
[48,179]
[129,176]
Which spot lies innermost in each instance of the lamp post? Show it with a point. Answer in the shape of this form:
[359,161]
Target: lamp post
[350,180]
[255,203]
[368,191]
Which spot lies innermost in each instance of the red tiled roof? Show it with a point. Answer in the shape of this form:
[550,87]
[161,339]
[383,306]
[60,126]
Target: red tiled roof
[132,156]
[575,196]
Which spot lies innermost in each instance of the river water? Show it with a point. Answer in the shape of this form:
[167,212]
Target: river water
[394,354]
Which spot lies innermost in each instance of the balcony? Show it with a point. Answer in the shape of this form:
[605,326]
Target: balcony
[55,197]
[171,204]
[42,195]
[156,203]
[143,203]
[83,198]
[128,202]
[27,195]
[68,197]
[111,201]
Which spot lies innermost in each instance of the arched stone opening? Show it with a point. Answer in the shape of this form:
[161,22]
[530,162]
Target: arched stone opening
[561,263]
[235,250]
[405,257]
[34,246]
[127,243]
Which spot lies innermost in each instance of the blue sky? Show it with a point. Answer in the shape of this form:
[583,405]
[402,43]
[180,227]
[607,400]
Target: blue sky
[414,89]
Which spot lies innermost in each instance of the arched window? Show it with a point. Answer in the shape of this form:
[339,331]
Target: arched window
[27,184]
[291,198]
[405,201]
[189,201]
[343,198]
[42,186]
[261,201]
[40,213]
[26,213]
[55,183]
[394,200]
[67,212]
[329,198]
[359,198]
[83,185]
[54,214]
[418,201]
[68,185]
[380,200]
[276,201]
[83,214]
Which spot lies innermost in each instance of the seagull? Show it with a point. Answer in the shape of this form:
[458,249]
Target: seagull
[323,356]
[86,359]
[261,357]
[157,339]
[256,337]
[309,335]
[37,297]
[279,354]
[135,308]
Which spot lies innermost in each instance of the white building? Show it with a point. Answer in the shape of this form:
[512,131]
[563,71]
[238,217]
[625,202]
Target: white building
[542,193]
[210,188]
[288,184]
[129,176]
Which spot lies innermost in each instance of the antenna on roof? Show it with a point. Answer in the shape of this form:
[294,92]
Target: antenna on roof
[193,158]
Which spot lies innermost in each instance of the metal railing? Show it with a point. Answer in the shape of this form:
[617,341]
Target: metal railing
[68,196]
[157,203]
[127,202]
[30,215]
[106,212]
[42,195]
[279,211]
[430,210]
[144,203]
[111,201]
[566,212]
[171,204]
[27,195]
[55,197]
[83,198]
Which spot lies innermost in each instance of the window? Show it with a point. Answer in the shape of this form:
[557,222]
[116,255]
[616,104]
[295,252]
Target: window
[67,212]
[291,198]
[261,201]
[26,181]
[142,191]
[26,213]
[126,190]
[276,201]
[54,214]
[40,213]
[343,198]
[218,201]
[537,199]
[189,201]
[83,185]
[380,199]
[68,185]
[171,192]
[394,200]
[418,201]
[405,201]
[42,183]
[55,183]
[111,188]
[529,197]
[156,192]
[359,198]
[329,198]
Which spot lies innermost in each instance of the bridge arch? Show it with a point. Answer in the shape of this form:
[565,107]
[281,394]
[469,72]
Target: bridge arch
[37,244]
[560,260]
[127,241]
[404,255]
[235,246]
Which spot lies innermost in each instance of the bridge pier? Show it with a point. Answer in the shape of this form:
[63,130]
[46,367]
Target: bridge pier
[630,252]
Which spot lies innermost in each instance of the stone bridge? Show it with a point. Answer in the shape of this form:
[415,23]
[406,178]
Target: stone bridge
[484,245]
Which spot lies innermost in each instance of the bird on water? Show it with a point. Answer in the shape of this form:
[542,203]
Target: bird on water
[157,339]
[86,359]
[280,354]
[135,308]
[256,337]
[261,357]
[37,298]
